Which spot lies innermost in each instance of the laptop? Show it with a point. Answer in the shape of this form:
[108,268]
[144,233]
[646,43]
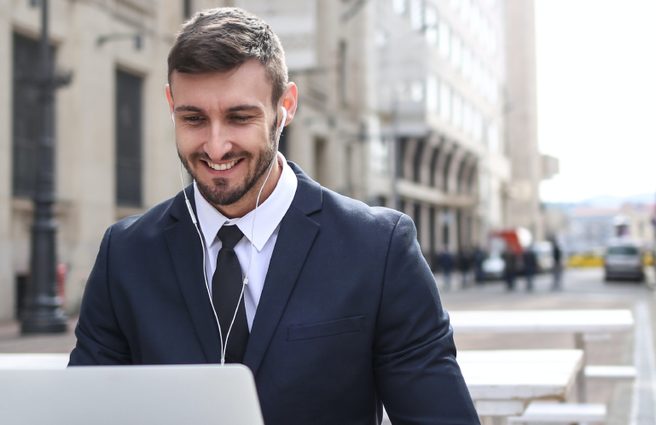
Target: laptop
[103,395]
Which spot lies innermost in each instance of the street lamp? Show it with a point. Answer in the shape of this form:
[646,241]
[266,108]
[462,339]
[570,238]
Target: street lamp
[43,311]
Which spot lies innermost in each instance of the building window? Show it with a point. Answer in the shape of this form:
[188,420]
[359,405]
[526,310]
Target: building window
[431,31]
[417,14]
[445,39]
[187,8]
[27,121]
[417,91]
[445,102]
[128,139]
[399,6]
[343,72]
[456,51]
[321,160]
[432,94]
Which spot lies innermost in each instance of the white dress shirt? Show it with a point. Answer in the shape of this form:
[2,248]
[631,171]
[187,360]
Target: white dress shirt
[260,228]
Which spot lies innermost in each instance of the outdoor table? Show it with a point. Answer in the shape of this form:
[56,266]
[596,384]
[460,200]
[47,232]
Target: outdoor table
[577,322]
[503,382]
[33,360]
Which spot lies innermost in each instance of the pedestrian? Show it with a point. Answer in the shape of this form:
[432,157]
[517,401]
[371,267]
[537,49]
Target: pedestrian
[557,266]
[464,266]
[328,301]
[446,264]
[478,257]
[530,266]
[510,268]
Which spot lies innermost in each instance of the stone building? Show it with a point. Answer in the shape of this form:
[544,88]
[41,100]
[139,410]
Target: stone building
[401,104]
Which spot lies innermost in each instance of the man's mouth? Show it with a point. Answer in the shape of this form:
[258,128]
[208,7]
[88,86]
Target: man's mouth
[221,167]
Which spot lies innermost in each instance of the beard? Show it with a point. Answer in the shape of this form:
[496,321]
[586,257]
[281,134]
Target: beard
[219,192]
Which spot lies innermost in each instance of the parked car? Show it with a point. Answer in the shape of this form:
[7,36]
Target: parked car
[624,260]
[492,267]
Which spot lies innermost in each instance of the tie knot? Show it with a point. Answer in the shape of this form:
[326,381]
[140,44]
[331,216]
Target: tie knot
[229,236]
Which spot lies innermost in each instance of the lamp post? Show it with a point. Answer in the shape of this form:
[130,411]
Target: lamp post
[43,310]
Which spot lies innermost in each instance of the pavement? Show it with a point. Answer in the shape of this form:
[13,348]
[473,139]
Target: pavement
[11,340]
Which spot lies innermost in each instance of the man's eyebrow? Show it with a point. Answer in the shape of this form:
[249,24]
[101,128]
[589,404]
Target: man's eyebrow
[244,108]
[187,108]
[232,109]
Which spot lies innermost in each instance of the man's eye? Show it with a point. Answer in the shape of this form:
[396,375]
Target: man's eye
[193,119]
[240,118]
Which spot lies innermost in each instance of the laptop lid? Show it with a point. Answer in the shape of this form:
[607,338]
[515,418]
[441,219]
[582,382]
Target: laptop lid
[103,395]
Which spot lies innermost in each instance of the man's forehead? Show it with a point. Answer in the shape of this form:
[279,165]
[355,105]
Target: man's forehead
[247,84]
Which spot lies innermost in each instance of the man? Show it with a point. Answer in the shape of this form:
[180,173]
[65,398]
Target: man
[337,311]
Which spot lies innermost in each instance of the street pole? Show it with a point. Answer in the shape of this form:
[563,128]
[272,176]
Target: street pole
[43,308]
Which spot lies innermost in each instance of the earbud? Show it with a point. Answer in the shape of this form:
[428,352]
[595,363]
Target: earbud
[173,119]
[284,120]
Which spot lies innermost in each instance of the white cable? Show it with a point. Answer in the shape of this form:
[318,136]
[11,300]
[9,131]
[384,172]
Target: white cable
[207,286]
[250,260]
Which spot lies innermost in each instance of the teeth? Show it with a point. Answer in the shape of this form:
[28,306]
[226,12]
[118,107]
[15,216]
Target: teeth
[221,167]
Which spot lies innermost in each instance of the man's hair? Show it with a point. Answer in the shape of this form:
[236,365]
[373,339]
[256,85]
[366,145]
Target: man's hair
[222,39]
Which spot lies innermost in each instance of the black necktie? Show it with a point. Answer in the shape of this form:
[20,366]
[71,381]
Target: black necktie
[226,289]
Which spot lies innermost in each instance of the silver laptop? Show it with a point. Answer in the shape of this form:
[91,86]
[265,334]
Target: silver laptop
[103,395]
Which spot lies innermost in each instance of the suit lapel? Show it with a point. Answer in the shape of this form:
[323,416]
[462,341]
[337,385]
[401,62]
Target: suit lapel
[295,239]
[187,259]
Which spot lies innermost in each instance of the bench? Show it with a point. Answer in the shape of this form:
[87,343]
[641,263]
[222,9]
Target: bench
[561,413]
[617,373]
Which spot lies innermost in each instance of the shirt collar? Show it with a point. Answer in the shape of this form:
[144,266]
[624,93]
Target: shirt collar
[258,225]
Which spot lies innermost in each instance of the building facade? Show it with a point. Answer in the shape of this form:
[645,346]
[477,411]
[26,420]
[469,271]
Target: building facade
[402,104]
[441,97]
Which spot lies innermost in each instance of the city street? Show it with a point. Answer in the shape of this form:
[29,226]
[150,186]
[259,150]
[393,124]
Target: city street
[629,402]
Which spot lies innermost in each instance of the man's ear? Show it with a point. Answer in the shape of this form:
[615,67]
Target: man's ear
[289,101]
[169,97]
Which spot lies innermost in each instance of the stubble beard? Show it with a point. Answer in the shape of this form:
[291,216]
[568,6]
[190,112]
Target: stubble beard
[219,193]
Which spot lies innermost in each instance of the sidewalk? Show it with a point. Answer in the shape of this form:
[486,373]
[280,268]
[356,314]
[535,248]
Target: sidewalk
[11,341]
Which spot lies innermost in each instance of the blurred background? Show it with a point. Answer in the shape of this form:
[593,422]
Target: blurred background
[494,124]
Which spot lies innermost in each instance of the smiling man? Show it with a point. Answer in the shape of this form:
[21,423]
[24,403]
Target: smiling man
[329,302]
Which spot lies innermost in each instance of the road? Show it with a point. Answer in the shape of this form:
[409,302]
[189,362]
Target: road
[629,403]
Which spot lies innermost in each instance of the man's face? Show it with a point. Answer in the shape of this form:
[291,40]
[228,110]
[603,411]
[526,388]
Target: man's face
[225,129]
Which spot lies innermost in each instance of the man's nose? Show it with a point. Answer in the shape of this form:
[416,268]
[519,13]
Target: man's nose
[218,141]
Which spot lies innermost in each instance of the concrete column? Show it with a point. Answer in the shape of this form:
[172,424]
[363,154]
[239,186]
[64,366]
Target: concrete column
[424,236]
[7,294]
[408,159]
[445,149]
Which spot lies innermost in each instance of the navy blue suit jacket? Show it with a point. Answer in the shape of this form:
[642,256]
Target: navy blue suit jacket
[349,316]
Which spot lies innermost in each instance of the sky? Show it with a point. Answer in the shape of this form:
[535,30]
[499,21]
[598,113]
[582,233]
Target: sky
[596,76]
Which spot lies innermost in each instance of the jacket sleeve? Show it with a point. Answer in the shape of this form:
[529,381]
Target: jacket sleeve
[100,340]
[418,378]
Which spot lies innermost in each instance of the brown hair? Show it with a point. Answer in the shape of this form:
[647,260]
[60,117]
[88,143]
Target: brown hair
[222,39]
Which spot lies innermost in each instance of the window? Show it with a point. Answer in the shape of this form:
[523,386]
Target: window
[431,32]
[445,102]
[187,8]
[432,95]
[321,168]
[445,39]
[27,120]
[128,123]
[343,72]
[417,14]
[399,6]
[417,91]
[456,110]
[456,51]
